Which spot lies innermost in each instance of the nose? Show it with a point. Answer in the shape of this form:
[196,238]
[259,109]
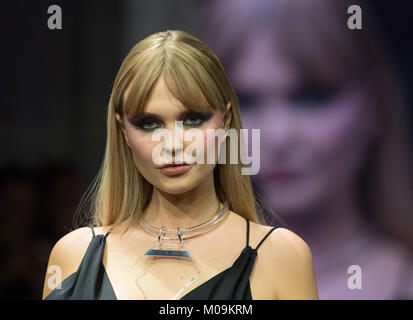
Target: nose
[175,145]
[278,130]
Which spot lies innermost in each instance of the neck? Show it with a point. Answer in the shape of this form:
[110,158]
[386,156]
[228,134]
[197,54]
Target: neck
[185,209]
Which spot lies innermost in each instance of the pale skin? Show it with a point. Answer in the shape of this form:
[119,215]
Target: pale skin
[283,268]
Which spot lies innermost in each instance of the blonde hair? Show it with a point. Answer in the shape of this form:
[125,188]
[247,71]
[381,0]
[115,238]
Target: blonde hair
[315,36]
[197,79]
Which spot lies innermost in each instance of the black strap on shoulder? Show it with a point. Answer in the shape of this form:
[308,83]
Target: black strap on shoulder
[93,231]
[268,233]
[248,234]
[248,231]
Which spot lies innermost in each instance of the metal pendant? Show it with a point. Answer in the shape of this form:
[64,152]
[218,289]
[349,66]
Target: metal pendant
[166,252]
[169,252]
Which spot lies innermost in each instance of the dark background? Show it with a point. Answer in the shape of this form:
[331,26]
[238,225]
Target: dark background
[55,88]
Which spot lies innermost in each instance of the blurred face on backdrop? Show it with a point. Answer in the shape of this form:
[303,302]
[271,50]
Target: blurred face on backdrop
[314,136]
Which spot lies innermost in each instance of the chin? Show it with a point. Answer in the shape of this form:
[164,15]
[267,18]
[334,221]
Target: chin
[177,185]
[295,203]
[174,190]
[288,209]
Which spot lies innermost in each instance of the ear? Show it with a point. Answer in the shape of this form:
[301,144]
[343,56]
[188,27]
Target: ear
[227,116]
[122,126]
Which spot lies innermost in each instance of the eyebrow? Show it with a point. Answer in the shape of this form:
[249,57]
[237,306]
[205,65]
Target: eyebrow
[181,115]
[147,114]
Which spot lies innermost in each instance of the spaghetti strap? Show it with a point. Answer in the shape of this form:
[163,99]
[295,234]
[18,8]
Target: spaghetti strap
[94,235]
[248,232]
[268,233]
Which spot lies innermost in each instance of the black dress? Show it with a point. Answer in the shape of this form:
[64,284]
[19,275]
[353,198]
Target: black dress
[90,281]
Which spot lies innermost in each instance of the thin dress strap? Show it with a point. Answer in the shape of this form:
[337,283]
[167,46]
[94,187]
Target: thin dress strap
[248,234]
[248,231]
[93,232]
[268,233]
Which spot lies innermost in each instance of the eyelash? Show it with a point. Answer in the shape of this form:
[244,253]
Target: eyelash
[149,120]
[305,97]
[313,97]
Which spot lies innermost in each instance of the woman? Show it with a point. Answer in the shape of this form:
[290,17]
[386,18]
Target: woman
[172,76]
[335,154]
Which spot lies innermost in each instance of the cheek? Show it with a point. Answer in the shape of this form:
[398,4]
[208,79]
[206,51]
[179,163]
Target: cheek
[332,131]
[211,143]
[335,141]
[251,118]
[203,142]
[141,147]
[343,127]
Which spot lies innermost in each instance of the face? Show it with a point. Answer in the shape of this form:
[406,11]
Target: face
[161,111]
[313,137]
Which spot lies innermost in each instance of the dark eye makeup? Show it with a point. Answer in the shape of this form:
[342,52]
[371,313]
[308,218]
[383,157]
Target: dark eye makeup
[246,100]
[313,96]
[150,122]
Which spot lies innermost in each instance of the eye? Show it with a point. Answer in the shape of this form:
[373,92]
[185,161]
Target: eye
[147,124]
[246,100]
[313,96]
[196,119]
[193,121]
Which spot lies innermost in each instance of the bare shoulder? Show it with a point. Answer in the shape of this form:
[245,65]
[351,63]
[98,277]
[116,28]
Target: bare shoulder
[71,246]
[291,264]
[65,257]
[281,239]
[290,243]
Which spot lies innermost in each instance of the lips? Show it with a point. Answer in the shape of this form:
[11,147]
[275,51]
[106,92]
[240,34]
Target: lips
[173,164]
[281,175]
[173,169]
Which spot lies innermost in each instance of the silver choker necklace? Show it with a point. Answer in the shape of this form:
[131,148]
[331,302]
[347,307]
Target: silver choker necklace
[166,234]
